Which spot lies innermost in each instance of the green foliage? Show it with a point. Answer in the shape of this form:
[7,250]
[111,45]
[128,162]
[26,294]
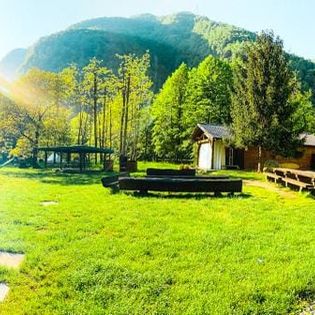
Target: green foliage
[187,98]
[35,111]
[305,70]
[304,117]
[208,93]
[80,106]
[168,111]
[134,84]
[263,109]
[54,53]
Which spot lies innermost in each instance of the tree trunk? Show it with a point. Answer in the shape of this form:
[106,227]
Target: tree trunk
[95,115]
[80,126]
[122,117]
[110,127]
[103,129]
[259,165]
[35,149]
[125,128]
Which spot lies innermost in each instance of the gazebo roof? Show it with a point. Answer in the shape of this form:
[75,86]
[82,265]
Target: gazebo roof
[76,149]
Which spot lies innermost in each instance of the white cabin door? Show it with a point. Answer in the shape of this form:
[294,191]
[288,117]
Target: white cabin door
[205,156]
[218,155]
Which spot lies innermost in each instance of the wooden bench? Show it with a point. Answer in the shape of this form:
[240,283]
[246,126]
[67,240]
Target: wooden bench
[274,177]
[298,184]
[303,176]
[170,172]
[280,171]
[143,185]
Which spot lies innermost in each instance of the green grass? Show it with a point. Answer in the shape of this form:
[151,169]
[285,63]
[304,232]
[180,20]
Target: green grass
[99,253]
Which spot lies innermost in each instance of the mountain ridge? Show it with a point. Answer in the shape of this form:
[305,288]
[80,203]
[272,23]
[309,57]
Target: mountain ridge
[171,39]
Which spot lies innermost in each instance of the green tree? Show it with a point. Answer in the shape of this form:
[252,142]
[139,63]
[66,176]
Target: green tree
[209,93]
[135,85]
[36,114]
[168,111]
[304,117]
[263,106]
[94,75]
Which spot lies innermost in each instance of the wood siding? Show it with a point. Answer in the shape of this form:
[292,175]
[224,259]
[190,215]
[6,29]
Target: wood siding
[304,162]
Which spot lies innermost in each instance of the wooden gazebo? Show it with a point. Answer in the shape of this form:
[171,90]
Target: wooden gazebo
[81,150]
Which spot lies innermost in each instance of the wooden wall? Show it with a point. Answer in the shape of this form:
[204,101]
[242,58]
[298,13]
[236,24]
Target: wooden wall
[304,162]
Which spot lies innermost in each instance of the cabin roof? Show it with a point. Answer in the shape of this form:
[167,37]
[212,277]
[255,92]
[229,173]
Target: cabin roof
[309,139]
[211,131]
[219,132]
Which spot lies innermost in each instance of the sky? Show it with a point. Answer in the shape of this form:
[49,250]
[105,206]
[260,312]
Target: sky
[23,22]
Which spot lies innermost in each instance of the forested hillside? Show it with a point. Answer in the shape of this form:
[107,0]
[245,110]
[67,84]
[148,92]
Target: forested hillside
[56,52]
[171,40]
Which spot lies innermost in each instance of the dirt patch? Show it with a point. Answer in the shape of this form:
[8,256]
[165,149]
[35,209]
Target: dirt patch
[11,260]
[271,187]
[310,310]
[47,203]
[4,290]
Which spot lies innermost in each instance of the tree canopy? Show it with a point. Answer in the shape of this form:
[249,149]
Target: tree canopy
[265,106]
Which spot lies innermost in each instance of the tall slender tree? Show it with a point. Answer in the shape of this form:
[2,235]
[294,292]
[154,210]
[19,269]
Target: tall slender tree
[134,84]
[263,109]
[93,77]
[167,111]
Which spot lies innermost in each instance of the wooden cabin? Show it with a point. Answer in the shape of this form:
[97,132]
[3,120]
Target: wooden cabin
[213,152]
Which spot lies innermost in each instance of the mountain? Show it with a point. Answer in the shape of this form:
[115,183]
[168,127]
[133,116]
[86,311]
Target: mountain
[55,52]
[10,64]
[182,37]
[188,32]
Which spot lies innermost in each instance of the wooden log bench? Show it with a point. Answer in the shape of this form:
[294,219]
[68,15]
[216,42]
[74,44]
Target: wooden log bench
[111,182]
[170,172]
[189,177]
[143,185]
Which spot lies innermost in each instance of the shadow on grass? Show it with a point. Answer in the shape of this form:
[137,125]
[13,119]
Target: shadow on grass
[197,196]
[64,179]
[311,195]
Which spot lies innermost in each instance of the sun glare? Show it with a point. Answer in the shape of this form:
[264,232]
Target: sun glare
[4,86]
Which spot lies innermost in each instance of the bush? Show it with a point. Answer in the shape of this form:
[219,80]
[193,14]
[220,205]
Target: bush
[271,164]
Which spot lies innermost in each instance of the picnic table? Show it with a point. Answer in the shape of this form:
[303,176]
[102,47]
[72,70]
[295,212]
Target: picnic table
[303,180]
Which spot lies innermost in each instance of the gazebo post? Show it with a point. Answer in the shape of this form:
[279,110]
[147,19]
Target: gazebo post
[46,157]
[60,164]
[81,162]
[84,161]
[68,157]
[104,161]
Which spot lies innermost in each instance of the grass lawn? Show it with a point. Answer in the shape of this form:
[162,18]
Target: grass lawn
[98,253]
